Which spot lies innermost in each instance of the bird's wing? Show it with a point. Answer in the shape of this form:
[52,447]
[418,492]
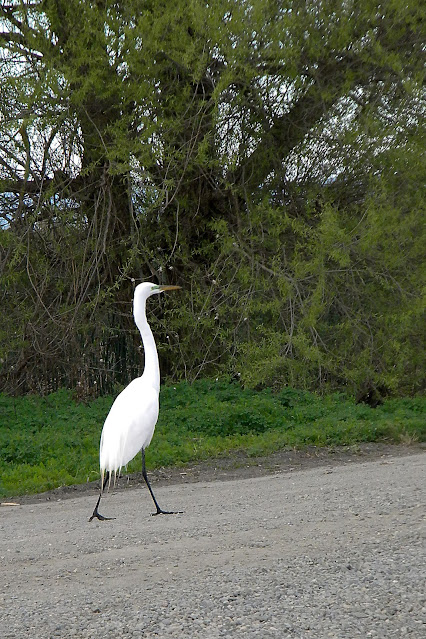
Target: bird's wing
[129,425]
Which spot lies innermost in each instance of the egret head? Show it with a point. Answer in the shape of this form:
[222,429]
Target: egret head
[142,292]
[146,289]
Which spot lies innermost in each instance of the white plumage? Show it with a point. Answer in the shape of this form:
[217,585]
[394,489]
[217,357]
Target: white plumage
[130,424]
[136,412]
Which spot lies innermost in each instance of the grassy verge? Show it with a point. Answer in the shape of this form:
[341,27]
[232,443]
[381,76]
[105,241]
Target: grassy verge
[51,441]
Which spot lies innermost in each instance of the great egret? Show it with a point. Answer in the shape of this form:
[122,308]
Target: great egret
[130,424]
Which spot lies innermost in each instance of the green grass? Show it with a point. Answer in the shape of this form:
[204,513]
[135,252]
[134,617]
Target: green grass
[46,442]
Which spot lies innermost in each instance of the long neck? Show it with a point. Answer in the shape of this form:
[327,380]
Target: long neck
[152,368]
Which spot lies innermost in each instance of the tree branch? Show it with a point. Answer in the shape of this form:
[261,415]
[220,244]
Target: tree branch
[290,129]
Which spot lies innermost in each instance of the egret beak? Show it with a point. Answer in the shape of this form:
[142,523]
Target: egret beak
[169,287]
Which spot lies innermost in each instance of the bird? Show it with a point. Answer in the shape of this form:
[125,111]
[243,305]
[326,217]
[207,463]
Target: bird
[130,423]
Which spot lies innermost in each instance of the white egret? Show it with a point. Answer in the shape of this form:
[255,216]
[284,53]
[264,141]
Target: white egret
[130,424]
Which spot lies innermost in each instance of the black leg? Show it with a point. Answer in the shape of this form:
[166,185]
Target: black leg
[145,476]
[96,513]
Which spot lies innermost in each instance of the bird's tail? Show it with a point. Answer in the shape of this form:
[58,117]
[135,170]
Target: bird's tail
[108,478]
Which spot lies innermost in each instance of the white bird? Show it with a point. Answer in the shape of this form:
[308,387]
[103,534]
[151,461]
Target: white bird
[130,424]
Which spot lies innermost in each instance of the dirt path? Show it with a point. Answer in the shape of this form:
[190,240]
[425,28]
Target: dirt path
[335,549]
[238,465]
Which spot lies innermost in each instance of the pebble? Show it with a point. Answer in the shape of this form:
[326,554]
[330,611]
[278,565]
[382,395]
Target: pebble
[329,575]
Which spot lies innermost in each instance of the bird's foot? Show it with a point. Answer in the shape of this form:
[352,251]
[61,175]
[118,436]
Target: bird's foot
[167,512]
[99,516]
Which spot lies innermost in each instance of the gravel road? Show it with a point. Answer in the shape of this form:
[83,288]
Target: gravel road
[334,551]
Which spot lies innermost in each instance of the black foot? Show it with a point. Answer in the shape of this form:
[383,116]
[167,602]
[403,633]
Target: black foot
[99,516]
[167,512]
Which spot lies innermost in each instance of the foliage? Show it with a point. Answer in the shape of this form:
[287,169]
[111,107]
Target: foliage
[50,441]
[264,155]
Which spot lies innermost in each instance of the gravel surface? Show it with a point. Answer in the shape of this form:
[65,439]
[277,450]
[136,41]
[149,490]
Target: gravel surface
[333,551]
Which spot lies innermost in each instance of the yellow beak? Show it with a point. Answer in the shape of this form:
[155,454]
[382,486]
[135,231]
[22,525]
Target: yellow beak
[169,287]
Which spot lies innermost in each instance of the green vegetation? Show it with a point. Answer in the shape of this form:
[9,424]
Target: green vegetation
[264,155]
[50,441]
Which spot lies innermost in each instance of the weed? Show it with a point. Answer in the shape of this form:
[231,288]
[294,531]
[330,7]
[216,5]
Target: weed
[50,441]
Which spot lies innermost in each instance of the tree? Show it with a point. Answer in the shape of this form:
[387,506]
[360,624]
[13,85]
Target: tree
[256,153]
